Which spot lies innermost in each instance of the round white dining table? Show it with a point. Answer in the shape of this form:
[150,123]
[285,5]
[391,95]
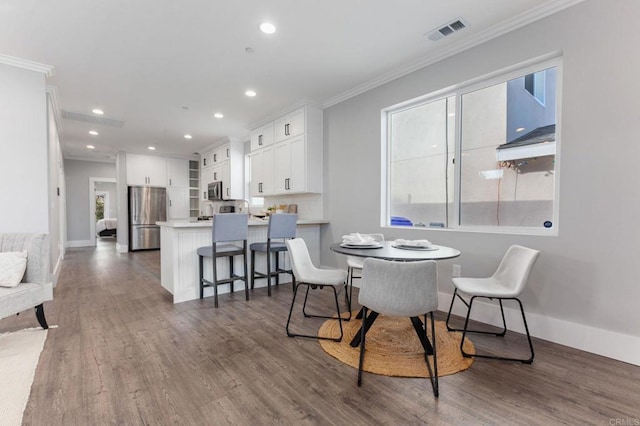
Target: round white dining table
[388,250]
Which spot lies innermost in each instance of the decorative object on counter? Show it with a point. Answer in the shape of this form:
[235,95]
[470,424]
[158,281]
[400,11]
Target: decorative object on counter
[281,208]
[227,228]
[281,227]
[305,273]
[293,208]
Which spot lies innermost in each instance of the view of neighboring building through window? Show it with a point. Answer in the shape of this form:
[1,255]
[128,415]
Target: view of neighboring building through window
[504,138]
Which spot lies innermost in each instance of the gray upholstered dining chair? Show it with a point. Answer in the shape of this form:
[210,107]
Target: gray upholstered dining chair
[226,228]
[306,274]
[402,289]
[507,283]
[355,264]
[281,226]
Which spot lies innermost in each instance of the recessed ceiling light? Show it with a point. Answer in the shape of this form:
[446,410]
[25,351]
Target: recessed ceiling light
[93,132]
[519,129]
[152,148]
[97,111]
[250,93]
[91,147]
[267,28]
[218,115]
[188,137]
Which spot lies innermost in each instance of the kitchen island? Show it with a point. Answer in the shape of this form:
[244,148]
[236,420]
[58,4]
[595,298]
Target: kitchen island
[180,240]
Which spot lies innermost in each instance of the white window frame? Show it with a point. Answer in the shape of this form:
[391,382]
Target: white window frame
[459,90]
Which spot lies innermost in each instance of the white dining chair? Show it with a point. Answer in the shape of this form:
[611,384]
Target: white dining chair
[306,274]
[507,283]
[402,289]
[355,264]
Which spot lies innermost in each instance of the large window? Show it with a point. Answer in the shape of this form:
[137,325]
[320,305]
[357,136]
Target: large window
[482,156]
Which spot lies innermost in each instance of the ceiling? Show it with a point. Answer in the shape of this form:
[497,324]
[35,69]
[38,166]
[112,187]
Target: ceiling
[165,67]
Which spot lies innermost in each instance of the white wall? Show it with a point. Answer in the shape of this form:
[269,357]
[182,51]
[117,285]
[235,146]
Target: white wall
[57,226]
[24,196]
[77,174]
[584,289]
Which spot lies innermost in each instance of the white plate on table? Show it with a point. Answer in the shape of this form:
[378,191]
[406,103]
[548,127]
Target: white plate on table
[361,246]
[409,247]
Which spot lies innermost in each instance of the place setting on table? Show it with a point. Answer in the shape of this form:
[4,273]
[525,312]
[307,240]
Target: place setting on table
[362,245]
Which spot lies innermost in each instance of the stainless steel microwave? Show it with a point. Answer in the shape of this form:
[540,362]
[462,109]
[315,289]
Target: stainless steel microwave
[214,191]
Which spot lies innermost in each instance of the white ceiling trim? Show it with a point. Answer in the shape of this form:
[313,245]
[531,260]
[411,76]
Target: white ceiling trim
[52,91]
[482,37]
[47,70]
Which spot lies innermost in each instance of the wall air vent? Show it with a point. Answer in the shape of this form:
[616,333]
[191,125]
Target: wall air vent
[88,118]
[448,29]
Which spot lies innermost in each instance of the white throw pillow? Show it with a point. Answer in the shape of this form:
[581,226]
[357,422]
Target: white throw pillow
[12,267]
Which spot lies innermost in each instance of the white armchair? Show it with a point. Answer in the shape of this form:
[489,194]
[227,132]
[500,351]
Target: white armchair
[36,286]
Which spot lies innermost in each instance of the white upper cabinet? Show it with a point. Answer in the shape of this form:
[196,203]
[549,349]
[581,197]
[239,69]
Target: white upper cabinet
[290,125]
[224,163]
[262,172]
[146,170]
[262,137]
[298,158]
[177,173]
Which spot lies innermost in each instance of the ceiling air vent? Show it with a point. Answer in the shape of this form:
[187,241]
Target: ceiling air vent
[87,118]
[445,30]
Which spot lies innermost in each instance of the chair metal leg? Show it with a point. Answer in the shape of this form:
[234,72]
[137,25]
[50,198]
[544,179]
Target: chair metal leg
[430,348]
[253,268]
[40,316]
[293,300]
[268,273]
[215,280]
[501,358]
[231,284]
[246,277]
[449,328]
[200,260]
[362,342]
[277,256]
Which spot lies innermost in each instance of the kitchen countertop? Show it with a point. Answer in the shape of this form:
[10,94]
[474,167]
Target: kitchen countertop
[252,222]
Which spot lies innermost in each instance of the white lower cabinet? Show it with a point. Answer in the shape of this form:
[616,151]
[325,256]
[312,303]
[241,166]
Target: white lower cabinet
[177,203]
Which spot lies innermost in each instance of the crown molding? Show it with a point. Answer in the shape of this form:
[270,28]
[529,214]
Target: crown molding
[301,103]
[52,93]
[47,70]
[498,30]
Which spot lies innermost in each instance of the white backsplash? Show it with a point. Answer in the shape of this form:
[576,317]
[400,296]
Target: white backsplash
[309,205]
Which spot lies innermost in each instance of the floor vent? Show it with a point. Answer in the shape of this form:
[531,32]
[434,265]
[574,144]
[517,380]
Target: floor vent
[445,30]
[87,118]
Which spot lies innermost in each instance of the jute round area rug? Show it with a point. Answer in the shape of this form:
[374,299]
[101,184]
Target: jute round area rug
[393,348]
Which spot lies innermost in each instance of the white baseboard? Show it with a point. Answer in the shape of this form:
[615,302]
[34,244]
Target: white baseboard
[122,248]
[611,344]
[80,243]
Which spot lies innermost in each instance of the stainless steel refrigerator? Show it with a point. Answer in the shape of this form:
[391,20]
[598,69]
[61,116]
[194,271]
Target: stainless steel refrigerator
[146,207]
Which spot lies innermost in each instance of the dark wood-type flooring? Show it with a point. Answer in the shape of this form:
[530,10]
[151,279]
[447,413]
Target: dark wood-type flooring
[124,354]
